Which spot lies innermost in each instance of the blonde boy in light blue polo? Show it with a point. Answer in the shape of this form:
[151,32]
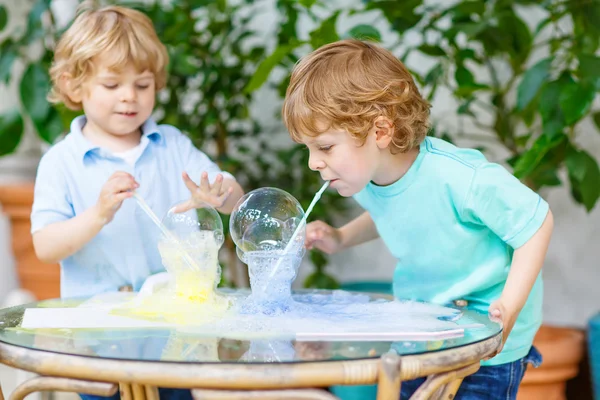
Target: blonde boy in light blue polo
[110,64]
[460,226]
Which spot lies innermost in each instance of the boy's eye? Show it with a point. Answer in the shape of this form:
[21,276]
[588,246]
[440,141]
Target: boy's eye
[143,86]
[325,148]
[110,86]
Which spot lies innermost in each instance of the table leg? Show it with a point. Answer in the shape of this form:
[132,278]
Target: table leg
[47,383]
[448,392]
[126,392]
[290,394]
[388,377]
[138,391]
[1,395]
[444,382]
[151,393]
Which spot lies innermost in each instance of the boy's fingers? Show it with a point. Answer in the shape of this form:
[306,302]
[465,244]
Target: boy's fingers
[216,187]
[119,197]
[224,196]
[122,185]
[189,183]
[204,185]
[183,207]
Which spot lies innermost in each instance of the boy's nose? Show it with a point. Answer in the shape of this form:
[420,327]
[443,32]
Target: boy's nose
[128,94]
[315,164]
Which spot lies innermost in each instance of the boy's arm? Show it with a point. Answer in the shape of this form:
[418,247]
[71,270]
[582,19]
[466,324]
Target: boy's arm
[526,265]
[358,231]
[59,240]
[330,240]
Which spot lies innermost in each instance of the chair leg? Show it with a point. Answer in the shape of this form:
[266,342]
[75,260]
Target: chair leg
[388,377]
[439,382]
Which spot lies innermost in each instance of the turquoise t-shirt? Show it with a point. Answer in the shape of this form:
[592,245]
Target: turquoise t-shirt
[452,222]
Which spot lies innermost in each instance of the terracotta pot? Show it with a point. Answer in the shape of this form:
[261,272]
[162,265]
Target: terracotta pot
[43,280]
[562,349]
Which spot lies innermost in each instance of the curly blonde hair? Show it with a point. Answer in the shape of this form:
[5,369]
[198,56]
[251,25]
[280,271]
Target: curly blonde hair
[121,35]
[347,85]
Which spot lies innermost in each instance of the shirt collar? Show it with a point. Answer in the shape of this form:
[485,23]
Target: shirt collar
[84,146]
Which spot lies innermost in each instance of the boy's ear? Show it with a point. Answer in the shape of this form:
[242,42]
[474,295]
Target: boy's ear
[384,131]
[70,88]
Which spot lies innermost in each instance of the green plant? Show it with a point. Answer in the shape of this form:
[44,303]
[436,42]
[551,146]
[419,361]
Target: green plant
[488,58]
[213,58]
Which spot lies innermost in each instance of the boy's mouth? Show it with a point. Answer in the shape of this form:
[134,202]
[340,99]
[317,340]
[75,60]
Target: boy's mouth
[128,114]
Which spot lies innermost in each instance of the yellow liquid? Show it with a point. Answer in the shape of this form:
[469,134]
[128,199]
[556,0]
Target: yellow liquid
[191,297]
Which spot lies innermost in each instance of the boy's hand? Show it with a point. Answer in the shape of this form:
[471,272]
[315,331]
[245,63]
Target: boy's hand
[214,195]
[323,237]
[120,186]
[498,312]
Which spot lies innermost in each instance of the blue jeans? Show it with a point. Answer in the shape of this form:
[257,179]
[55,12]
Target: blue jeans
[497,382]
[164,394]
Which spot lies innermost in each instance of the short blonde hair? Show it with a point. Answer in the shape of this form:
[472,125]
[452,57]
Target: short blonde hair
[348,84]
[124,35]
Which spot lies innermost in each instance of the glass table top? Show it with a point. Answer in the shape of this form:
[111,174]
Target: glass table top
[176,345]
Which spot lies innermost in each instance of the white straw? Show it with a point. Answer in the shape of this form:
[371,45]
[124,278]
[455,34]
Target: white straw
[290,244]
[186,257]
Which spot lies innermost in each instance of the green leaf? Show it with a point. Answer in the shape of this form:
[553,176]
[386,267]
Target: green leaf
[519,36]
[51,128]
[532,157]
[552,115]
[464,77]
[401,14]
[589,66]
[532,81]
[3,17]
[364,32]
[7,59]
[596,118]
[434,74]
[470,7]
[35,29]
[320,280]
[541,25]
[308,3]
[430,50]
[325,33]
[584,176]
[34,88]
[264,69]
[575,100]
[11,131]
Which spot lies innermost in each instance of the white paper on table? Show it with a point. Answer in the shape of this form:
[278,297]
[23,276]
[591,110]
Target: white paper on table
[82,318]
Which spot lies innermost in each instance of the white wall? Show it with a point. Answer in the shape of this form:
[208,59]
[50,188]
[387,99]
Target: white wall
[571,274]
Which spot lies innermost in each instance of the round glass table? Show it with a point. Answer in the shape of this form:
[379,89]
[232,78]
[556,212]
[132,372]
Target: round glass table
[138,361]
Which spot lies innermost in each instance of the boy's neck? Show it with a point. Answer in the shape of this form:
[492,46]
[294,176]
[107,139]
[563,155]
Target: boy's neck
[112,142]
[394,166]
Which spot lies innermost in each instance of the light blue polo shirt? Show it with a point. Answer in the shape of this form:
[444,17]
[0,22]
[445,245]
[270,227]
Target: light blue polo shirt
[69,179]
[452,222]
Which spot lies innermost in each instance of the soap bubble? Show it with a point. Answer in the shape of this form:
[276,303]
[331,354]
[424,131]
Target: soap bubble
[184,226]
[189,251]
[265,220]
[262,224]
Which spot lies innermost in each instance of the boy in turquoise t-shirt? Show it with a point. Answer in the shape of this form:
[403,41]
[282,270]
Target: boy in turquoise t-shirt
[460,226]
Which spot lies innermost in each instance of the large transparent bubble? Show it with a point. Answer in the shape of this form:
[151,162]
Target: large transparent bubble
[265,219]
[262,225]
[189,250]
